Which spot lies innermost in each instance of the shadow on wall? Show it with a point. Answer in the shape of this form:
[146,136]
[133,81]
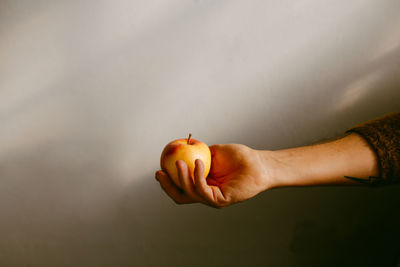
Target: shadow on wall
[329,226]
[369,236]
[56,204]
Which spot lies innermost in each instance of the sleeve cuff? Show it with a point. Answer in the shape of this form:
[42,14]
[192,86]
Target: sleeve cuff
[383,136]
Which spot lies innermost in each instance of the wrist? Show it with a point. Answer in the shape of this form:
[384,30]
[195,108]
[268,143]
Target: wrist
[273,168]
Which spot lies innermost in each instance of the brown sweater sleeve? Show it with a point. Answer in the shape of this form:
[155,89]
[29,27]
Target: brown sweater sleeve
[383,135]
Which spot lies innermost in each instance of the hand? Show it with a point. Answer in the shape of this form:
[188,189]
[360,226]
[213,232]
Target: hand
[237,174]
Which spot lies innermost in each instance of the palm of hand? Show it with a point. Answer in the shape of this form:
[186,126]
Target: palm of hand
[236,170]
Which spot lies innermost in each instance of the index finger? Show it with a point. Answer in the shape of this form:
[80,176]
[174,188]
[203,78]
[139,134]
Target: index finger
[187,182]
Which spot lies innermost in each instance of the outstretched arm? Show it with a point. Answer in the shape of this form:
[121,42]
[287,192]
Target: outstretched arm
[369,154]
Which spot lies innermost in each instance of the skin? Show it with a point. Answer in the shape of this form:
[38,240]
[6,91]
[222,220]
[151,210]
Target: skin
[239,173]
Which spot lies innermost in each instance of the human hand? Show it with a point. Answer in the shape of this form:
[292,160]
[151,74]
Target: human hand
[237,174]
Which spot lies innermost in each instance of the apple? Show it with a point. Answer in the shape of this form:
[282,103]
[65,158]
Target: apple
[188,150]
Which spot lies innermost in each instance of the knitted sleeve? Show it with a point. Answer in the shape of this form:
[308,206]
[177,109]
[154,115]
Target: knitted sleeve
[383,135]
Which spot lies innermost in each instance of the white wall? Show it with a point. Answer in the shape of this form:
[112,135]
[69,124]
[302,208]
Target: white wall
[91,91]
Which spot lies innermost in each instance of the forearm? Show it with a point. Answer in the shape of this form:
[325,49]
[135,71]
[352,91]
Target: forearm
[322,164]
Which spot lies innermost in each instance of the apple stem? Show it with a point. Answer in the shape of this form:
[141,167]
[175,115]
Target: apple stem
[190,136]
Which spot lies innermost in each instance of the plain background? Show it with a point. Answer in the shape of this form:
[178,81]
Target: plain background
[91,91]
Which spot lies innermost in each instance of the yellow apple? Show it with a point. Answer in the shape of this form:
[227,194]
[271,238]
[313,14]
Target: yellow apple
[187,150]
